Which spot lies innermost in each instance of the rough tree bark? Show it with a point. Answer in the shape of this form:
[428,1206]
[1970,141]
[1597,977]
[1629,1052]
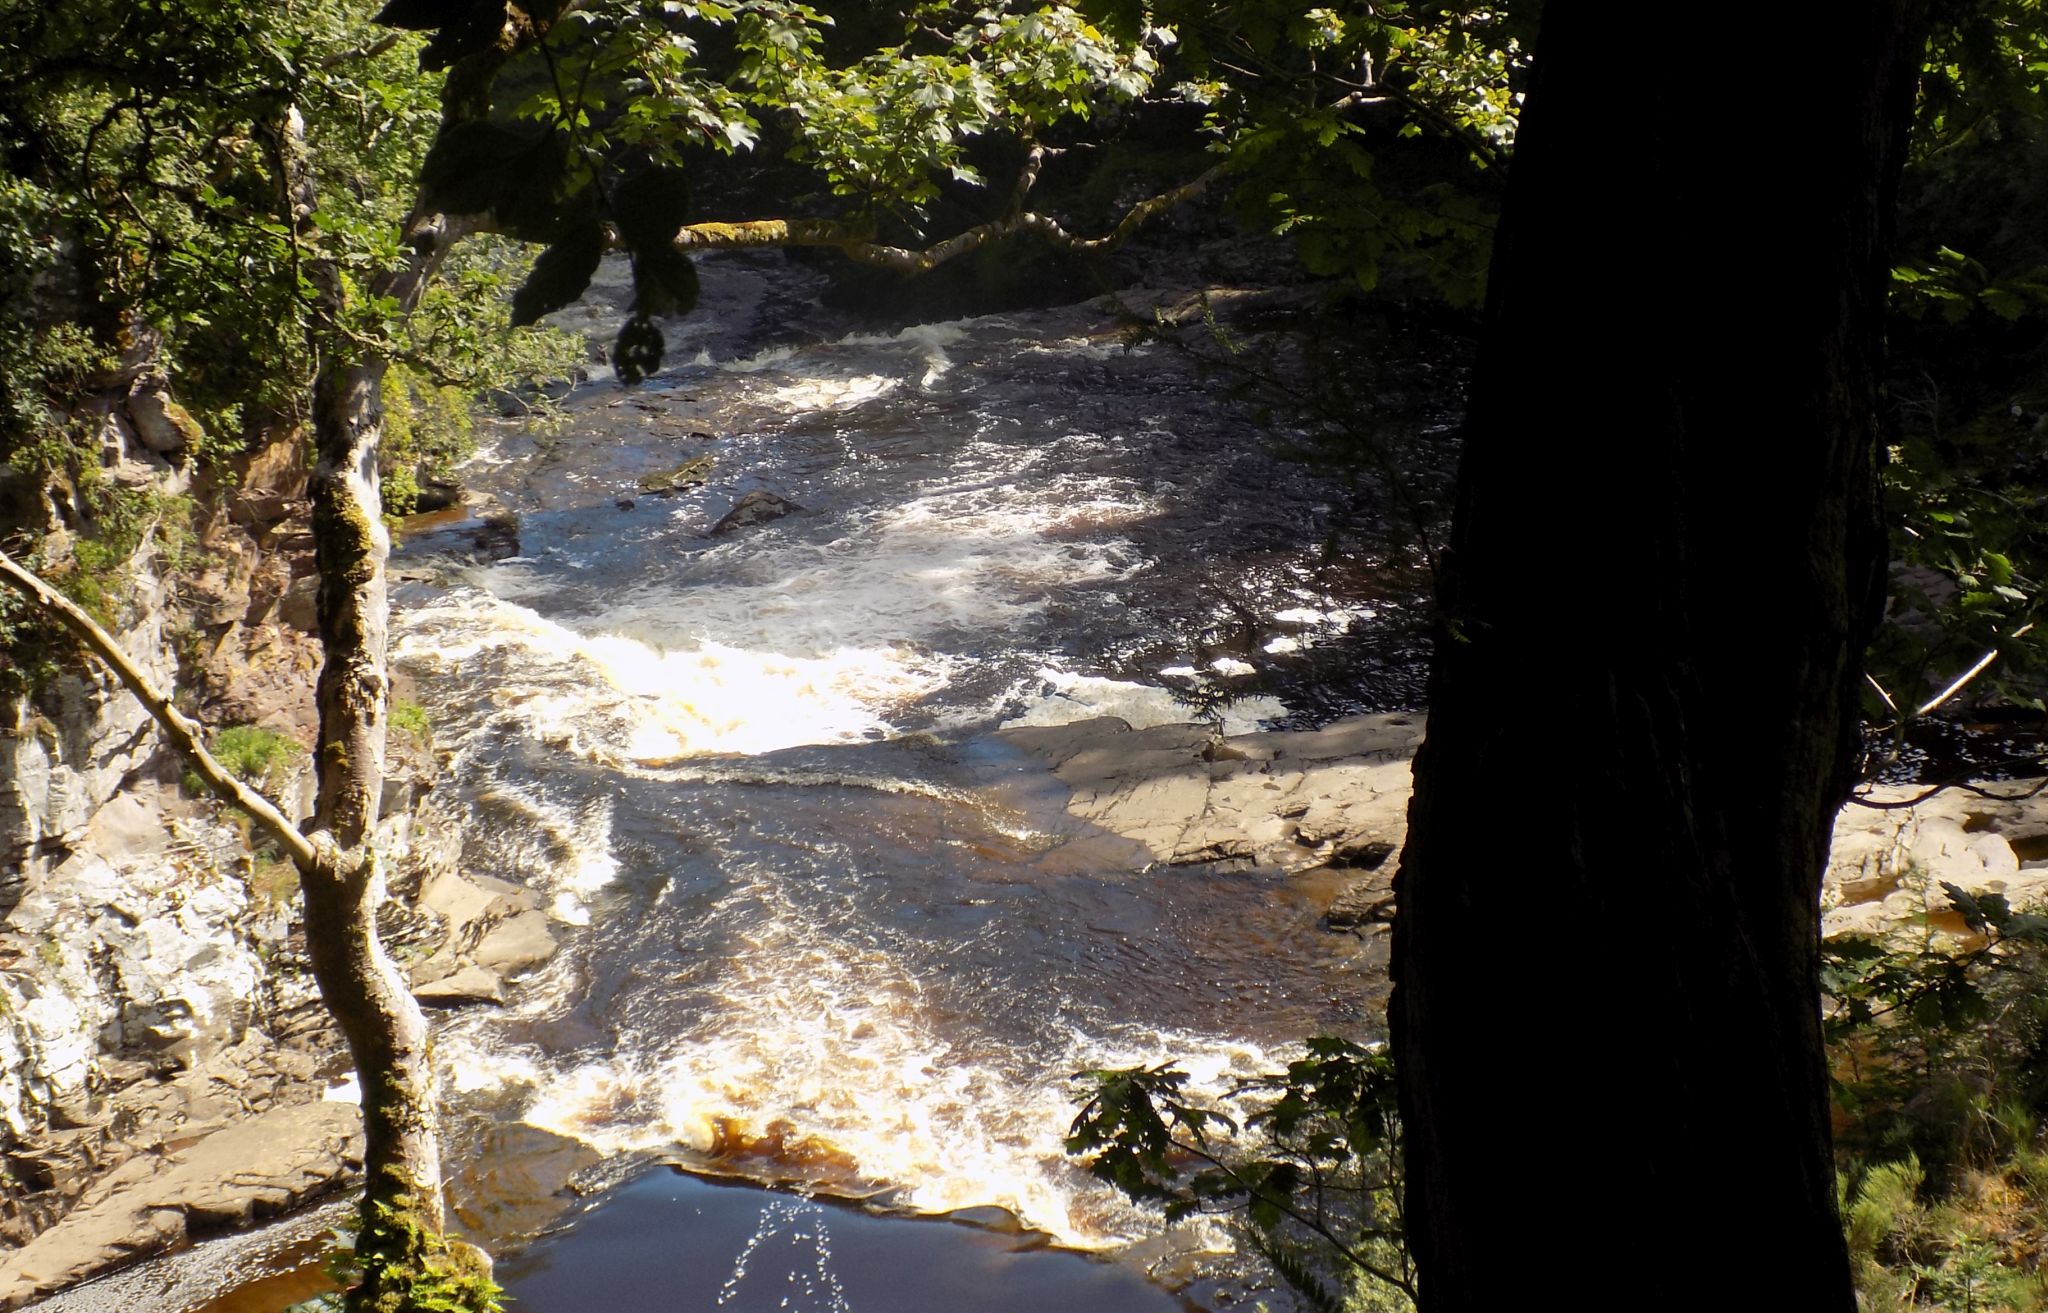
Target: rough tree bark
[1666,559]
[343,882]
[399,1245]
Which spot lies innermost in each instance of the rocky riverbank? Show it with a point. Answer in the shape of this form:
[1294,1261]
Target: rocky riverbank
[197,1095]
[1335,801]
[166,1069]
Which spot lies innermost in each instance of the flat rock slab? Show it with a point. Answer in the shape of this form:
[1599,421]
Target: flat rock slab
[1337,797]
[256,1168]
[1888,865]
[1290,799]
[470,984]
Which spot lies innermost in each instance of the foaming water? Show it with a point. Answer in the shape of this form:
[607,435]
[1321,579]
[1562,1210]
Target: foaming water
[622,700]
[807,935]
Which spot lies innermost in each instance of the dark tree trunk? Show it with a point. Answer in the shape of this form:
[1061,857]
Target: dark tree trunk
[1665,562]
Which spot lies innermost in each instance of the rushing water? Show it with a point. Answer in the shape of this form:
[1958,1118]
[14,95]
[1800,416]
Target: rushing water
[809,930]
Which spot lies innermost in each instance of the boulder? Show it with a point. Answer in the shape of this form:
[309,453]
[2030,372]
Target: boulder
[757,507]
[162,424]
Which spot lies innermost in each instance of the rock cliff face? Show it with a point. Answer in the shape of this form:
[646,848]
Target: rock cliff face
[152,991]
[67,750]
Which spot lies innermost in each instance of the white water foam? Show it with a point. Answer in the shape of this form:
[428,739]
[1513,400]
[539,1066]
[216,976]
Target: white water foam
[621,700]
[819,1058]
[835,1073]
[1061,698]
[798,641]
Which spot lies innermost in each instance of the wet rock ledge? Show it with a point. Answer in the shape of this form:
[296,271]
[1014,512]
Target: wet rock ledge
[1336,799]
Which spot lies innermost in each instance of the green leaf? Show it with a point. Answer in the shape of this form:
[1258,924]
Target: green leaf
[638,350]
[1965,905]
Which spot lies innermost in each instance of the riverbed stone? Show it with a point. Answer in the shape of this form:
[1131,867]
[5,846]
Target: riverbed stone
[254,1168]
[1890,861]
[1293,800]
[515,944]
[468,984]
[757,507]
[1337,797]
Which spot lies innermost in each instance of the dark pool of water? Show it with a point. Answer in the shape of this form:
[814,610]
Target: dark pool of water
[667,1242]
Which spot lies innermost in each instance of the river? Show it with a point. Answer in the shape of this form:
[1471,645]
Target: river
[809,932]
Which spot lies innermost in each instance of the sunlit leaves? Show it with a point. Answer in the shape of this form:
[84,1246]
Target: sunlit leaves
[1308,1162]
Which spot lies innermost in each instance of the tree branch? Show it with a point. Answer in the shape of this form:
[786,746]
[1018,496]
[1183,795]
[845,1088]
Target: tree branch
[177,727]
[1962,680]
[858,244]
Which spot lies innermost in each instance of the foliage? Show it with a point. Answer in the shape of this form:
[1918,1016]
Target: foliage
[410,718]
[597,126]
[1968,481]
[1935,1036]
[1307,1164]
[427,431]
[395,1265]
[1938,1048]
[258,756]
[150,215]
[1372,133]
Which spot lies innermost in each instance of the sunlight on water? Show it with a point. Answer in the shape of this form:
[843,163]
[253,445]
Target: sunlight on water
[1061,698]
[823,968]
[818,1061]
[813,1283]
[621,700]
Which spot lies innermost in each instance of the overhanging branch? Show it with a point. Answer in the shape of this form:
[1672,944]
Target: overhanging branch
[177,727]
[858,244]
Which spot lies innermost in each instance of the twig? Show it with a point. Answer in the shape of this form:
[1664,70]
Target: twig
[1972,789]
[1983,664]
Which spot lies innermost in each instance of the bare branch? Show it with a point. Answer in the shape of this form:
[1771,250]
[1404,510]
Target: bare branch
[371,51]
[1962,680]
[183,733]
[1857,800]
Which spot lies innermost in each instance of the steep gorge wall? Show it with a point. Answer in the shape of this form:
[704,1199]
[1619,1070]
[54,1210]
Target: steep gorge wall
[150,987]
